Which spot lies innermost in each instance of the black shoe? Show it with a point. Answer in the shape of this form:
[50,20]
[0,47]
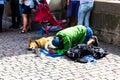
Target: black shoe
[96,43]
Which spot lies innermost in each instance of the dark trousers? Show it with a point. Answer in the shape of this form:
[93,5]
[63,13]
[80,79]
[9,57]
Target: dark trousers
[16,18]
[1,15]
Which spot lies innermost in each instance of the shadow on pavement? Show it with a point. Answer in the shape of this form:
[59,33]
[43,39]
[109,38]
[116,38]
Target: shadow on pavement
[110,48]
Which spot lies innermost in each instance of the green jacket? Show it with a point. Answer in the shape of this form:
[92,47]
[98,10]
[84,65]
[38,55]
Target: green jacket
[71,37]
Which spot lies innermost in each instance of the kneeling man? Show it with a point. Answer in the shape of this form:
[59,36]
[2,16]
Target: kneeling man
[72,36]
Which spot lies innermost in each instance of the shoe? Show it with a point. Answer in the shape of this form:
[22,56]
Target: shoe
[23,31]
[96,43]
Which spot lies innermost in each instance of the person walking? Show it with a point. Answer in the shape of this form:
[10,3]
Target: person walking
[84,12]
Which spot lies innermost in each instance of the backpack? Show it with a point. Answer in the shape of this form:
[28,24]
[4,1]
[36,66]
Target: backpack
[77,52]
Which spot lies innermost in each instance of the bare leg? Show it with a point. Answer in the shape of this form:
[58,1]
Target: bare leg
[25,21]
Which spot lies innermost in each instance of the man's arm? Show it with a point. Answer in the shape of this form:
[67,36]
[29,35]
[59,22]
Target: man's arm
[90,42]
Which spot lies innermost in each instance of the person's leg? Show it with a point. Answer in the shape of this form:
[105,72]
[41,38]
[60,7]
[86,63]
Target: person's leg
[25,21]
[76,11]
[87,16]
[25,16]
[69,14]
[21,11]
[18,13]
[81,13]
[1,14]
[13,11]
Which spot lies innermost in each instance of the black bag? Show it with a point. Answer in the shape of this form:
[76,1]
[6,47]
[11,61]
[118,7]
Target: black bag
[81,50]
[98,52]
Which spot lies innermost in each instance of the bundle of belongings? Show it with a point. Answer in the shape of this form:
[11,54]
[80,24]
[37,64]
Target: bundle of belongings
[83,53]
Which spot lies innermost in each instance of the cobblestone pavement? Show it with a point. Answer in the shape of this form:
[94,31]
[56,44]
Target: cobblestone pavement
[17,63]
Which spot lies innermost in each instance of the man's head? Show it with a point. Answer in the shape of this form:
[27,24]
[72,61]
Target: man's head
[56,42]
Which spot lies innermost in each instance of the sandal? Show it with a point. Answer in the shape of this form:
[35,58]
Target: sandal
[23,31]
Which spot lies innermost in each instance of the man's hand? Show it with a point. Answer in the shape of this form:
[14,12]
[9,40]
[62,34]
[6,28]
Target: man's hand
[52,51]
[90,42]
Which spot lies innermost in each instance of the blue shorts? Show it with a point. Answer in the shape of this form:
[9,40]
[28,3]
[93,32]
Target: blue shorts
[72,8]
[26,9]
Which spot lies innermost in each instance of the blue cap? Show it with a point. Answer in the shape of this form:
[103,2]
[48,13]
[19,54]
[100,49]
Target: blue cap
[56,42]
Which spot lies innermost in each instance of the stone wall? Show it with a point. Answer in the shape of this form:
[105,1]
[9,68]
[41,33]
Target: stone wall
[105,21]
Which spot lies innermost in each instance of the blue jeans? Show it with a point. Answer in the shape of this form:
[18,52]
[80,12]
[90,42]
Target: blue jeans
[84,13]
[72,9]
[89,34]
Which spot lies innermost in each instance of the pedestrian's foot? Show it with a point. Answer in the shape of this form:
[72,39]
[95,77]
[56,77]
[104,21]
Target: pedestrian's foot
[23,31]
